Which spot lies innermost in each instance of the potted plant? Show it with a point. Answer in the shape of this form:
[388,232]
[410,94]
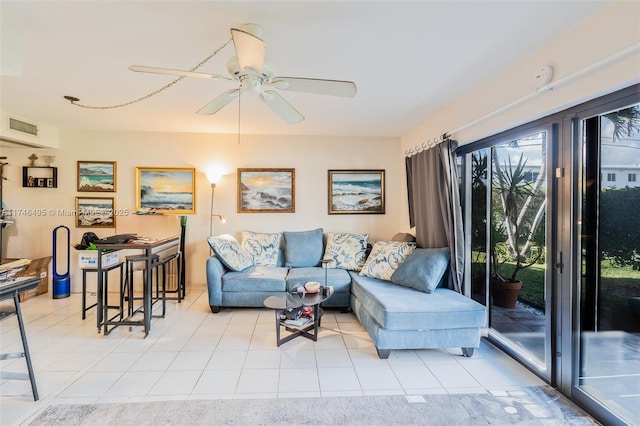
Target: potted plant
[517,237]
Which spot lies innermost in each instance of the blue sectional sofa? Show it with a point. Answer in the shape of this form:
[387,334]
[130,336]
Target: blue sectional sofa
[395,290]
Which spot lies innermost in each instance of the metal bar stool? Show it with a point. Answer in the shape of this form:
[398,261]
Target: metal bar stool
[173,286]
[167,264]
[105,280]
[131,262]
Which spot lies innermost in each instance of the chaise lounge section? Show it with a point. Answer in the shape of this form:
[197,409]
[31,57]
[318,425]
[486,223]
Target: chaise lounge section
[398,317]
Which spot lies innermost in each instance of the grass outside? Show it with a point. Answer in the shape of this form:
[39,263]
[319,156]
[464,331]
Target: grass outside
[618,283]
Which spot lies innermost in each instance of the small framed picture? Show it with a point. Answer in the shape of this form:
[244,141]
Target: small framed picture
[356,191]
[41,182]
[49,183]
[95,212]
[96,176]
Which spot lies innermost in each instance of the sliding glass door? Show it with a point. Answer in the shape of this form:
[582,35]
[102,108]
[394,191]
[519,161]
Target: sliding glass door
[608,332]
[508,225]
[552,220]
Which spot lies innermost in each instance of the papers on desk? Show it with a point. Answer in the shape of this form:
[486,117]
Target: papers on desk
[144,240]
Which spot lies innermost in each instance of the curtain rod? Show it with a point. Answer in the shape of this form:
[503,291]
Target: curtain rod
[542,89]
[426,145]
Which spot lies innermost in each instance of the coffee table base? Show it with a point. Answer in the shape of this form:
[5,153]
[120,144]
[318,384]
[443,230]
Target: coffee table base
[304,331]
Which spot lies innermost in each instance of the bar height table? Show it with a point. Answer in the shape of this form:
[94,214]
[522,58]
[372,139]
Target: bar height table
[11,289]
[149,247]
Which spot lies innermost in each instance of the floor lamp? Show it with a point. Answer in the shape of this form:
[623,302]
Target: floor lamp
[211,214]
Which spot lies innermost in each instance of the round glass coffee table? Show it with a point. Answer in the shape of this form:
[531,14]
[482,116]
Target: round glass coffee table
[293,301]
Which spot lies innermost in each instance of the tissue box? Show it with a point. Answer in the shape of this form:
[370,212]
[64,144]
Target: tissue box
[89,258]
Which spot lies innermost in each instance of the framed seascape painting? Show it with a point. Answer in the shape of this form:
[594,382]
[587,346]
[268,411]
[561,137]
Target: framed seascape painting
[96,176]
[356,191]
[96,212]
[266,191]
[165,190]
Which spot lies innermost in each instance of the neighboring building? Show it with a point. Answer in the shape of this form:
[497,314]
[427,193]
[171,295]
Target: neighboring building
[620,176]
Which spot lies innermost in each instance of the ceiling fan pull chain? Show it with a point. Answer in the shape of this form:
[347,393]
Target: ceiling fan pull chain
[239,100]
[74,100]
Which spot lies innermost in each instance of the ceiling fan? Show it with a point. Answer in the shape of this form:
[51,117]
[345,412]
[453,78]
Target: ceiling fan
[249,68]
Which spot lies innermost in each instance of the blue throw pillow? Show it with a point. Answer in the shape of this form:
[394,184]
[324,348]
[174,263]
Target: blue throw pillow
[230,253]
[423,269]
[303,249]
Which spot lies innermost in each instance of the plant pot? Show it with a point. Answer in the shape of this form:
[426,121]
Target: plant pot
[505,294]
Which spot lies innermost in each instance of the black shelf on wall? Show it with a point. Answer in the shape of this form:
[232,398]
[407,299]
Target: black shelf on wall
[39,177]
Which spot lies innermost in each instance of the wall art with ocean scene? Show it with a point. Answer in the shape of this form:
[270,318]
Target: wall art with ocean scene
[95,212]
[356,191]
[96,176]
[266,191]
[165,190]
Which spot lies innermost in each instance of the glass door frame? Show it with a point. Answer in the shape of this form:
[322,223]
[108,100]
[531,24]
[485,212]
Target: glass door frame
[569,242]
[544,371]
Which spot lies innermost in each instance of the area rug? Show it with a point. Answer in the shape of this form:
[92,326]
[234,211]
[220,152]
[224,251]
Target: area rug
[533,406]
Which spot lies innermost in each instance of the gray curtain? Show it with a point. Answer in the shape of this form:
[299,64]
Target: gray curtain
[434,204]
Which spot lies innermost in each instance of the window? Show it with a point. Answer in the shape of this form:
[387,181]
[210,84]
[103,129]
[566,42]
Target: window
[632,177]
[611,177]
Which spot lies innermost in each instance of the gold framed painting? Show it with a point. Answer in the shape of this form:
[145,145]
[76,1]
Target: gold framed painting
[166,190]
[97,176]
[356,192]
[95,212]
[266,190]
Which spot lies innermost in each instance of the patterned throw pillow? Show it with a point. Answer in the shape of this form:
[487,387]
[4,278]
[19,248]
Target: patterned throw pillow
[262,247]
[385,258]
[230,253]
[346,251]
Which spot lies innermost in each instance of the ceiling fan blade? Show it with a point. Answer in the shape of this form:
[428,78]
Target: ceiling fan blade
[169,71]
[281,107]
[220,102]
[250,48]
[346,89]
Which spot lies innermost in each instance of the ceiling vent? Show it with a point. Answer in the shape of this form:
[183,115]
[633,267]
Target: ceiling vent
[23,126]
[16,132]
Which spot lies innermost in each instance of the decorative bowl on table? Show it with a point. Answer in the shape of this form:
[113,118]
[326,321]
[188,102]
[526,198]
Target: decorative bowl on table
[312,287]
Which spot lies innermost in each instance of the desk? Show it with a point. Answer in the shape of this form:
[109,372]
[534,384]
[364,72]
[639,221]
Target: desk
[149,248]
[10,289]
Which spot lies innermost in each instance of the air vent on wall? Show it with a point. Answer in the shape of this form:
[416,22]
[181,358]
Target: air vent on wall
[23,126]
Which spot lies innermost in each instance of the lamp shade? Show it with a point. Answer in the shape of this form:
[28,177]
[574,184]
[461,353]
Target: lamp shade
[213,176]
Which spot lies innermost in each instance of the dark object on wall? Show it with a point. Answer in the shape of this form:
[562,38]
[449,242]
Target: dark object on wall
[39,176]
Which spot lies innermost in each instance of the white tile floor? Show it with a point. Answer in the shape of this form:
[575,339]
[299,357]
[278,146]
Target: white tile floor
[193,354]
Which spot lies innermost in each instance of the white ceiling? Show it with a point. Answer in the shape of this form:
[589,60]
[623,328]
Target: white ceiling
[409,59]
